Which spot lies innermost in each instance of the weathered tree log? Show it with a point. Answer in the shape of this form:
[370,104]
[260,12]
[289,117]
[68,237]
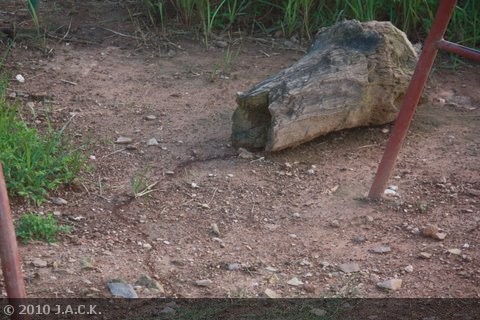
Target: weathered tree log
[354,74]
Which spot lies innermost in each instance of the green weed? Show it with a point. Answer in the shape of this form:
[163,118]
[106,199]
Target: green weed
[33,163]
[32,226]
[415,17]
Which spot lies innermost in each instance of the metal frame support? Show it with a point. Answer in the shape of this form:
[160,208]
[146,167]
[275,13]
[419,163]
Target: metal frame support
[432,44]
[11,267]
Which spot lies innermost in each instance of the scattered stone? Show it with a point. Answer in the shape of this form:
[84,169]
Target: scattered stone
[215,229]
[408,268]
[194,185]
[222,244]
[359,239]
[271,269]
[433,232]
[295,282]
[318,312]
[245,154]
[456,252]
[58,201]
[391,191]
[334,224]
[20,78]
[425,255]
[87,263]
[122,290]
[147,282]
[271,294]
[380,249]
[311,172]
[152,142]
[296,215]
[123,140]
[349,267]
[147,246]
[221,44]
[204,283]
[150,117]
[205,206]
[234,266]
[391,284]
[39,263]
[168,310]
[170,173]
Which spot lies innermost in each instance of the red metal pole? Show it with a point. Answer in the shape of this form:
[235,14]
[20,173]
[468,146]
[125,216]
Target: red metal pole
[463,51]
[412,96]
[9,254]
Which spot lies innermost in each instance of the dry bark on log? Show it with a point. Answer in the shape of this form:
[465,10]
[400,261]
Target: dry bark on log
[354,74]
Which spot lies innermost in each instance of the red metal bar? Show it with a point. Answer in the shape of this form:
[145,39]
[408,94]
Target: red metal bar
[463,51]
[9,254]
[412,96]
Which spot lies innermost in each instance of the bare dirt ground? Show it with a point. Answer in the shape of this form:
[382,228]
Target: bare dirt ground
[276,219]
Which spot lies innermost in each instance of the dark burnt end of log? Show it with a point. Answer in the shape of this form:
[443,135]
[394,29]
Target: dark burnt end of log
[354,74]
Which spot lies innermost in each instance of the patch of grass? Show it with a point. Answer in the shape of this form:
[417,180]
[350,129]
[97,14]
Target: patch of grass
[33,163]
[141,185]
[32,226]
[305,17]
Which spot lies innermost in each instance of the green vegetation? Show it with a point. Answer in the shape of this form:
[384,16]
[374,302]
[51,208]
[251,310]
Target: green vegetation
[304,17]
[32,226]
[33,163]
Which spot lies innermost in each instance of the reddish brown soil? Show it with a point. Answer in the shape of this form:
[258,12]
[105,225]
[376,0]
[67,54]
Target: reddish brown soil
[270,211]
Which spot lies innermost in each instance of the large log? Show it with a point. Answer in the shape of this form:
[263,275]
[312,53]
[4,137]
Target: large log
[354,74]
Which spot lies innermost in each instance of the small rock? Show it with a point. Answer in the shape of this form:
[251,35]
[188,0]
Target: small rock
[380,249]
[194,185]
[408,268]
[318,312]
[58,201]
[39,263]
[310,172]
[221,44]
[123,140]
[425,255]
[234,266]
[152,142]
[20,78]
[389,192]
[433,232]
[295,282]
[87,263]
[205,206]
[271,269]
[170,173]
[391,284]
[359,239]
[147,246]
[168,310]
[385,130]
[204,283]
[215,229]
[271,294]
[296,215]
[349,267]
[245,154]
[150,117]
[334,224]
[122,290]
[456,252]
[147,282]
